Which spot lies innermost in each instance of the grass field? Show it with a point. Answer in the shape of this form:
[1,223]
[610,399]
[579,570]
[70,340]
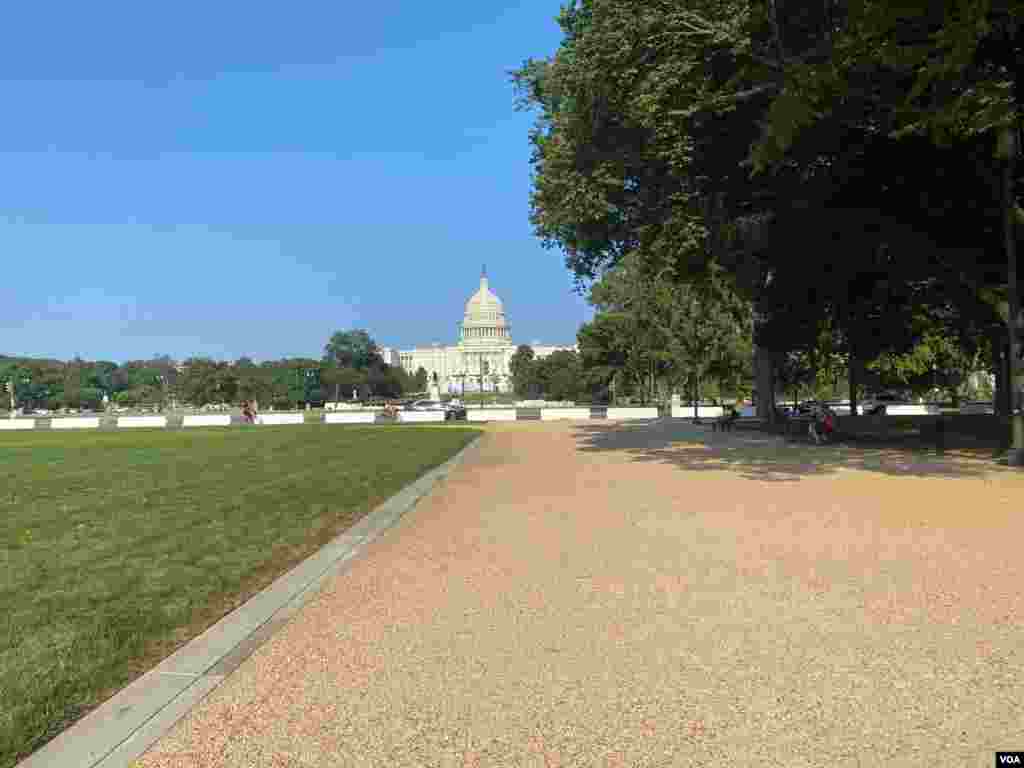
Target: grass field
[118,547]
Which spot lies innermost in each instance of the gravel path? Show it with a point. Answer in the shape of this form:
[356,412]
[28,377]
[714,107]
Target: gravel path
[600,595]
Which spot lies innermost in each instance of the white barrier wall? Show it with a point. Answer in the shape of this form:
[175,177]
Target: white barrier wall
[420,416]
[17,424]
[552,414]
[341,417]
[491,414]
[703,411]
[633,413]
[141,421]
[85,422]
[912,410]
[280,418]
[207,420]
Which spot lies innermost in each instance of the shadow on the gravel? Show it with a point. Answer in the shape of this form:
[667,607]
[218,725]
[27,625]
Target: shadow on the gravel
[768,457]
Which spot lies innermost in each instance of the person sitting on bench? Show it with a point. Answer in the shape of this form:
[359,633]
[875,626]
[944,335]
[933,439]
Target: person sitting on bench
[725,421]
[822,427]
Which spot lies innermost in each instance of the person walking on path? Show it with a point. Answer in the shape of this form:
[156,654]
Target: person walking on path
[248,414]
[822,428]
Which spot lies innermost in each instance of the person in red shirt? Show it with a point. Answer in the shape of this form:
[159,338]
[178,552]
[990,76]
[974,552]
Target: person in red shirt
[824,425]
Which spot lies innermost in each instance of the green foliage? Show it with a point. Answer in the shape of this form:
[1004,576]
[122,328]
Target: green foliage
[419,381]
[833,163]
[352,349]
[521,365]
[649,328]
[939,361]
[558,375]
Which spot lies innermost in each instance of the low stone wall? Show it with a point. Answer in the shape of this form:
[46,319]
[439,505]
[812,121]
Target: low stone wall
[207,420]
[632,413]
[420,416]
[545,404]
[912,409]
[554,414]
[72,422]
[17,424]
[703,411]
[142,421]
[278,419]
[350,417]
[491,414]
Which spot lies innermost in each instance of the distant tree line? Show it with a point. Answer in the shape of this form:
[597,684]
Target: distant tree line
[351,362]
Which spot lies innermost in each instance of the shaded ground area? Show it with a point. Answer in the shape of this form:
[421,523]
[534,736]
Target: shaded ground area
[763,456]
[579,595]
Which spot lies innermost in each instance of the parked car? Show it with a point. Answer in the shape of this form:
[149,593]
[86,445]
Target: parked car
[842,407]
[977,406]
[876,404]
[425,405]
[454,412]
[789,410]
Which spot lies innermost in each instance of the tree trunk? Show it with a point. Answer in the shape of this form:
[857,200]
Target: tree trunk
[853,383]
[696,396]
[764,372]
[1009,150]
[999,400]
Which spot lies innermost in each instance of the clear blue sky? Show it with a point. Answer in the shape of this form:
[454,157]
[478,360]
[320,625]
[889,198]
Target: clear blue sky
[242,178]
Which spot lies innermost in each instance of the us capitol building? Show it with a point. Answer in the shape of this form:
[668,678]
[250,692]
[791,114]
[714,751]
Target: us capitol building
[479,361]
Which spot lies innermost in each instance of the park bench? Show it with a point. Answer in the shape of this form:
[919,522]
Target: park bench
[748,421]
[800,425]
[725,422]
[796,425]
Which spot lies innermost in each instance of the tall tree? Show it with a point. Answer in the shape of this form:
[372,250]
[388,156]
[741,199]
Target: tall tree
[559,375]
[352,349]
[523,368]
[419,382]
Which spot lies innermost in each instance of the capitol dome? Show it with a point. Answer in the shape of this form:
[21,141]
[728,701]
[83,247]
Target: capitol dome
[485,315]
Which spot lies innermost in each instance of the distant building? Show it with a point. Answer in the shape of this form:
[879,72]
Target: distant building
[479,361]
[390,356]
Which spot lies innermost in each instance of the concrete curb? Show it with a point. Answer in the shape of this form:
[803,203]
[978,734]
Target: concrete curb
[126,725]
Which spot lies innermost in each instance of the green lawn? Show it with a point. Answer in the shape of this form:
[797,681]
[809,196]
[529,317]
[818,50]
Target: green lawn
[119,546]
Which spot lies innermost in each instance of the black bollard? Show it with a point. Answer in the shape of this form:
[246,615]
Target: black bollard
[940,436]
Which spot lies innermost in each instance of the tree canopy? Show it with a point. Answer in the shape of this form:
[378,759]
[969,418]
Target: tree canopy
[840,165]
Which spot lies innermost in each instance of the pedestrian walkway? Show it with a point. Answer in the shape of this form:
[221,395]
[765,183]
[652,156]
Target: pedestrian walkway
[622,595]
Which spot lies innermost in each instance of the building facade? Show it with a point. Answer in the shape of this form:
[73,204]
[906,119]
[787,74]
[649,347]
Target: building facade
[479,361]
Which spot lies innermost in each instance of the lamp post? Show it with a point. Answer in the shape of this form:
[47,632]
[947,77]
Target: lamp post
[311,375]
[14,392]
